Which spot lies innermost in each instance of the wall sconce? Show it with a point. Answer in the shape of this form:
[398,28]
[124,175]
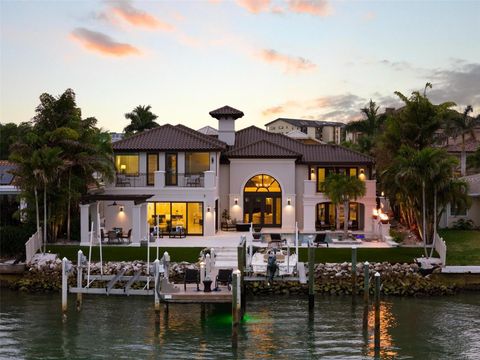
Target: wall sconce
[122,208]
[362,175]
[312,171]
[213,159]
[289,201]
[123,167]
[209,208]
[235,201]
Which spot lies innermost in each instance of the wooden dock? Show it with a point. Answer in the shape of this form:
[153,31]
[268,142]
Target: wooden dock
[191,295]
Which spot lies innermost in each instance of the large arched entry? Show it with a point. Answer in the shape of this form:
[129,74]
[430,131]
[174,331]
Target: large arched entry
[262,201]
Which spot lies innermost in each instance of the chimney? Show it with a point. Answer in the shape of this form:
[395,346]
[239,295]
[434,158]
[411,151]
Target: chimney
[226,117]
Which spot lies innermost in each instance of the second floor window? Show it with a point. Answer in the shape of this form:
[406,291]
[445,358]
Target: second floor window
[127,164]
[197,162]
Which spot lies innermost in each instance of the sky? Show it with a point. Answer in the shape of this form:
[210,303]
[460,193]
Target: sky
[306,59]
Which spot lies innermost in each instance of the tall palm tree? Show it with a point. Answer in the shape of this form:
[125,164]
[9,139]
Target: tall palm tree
[141,119]
[341,189]
[462,125]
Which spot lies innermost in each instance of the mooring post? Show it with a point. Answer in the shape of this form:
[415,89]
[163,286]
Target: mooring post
[166,265]
[156,265]
[236,305]
[65,269]
[377,312]
[354,272]
[311,276]
[366,293]
[241,256]
[79,278]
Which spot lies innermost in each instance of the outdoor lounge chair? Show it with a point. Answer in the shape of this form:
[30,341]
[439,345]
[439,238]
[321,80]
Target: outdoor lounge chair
[128,236]
[178,231]
[224,277]
[112,237]
[320,240]
[103,236]
[192,276]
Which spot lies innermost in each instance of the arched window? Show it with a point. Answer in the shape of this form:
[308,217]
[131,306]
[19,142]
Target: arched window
[262,183]
[262,200]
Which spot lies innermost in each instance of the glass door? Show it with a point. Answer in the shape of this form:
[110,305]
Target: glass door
[171,176]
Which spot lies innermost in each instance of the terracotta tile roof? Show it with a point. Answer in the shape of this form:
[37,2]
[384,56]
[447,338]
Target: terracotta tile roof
[226,111]
[319,153]
[169,137]
[263,149]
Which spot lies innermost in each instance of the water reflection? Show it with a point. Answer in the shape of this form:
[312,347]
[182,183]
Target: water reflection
[279,328]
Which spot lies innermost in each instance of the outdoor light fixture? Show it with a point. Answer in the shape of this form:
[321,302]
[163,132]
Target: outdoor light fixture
[208,209]
[375,213]
[122,208]
[235,201]
[289,201]
[312,171]
[123,167]
[362,175]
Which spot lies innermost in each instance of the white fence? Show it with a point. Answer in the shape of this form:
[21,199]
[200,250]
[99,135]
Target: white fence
[441,248]
[33,245]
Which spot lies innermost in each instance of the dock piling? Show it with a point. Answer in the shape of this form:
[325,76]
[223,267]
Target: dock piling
[80,259]
[366,293]
[156,265]
[377,312]
[311,281]
[66,267]
[354,273]
[236,306]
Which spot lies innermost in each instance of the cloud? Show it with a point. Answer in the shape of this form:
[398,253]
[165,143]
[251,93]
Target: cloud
[312,7]
[397,65]
[291,63]
[460,85]
[137,17]
[103,44]
[280,109]
[255,6]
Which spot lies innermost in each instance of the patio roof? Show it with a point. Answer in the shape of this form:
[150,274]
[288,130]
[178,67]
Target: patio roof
[137,199]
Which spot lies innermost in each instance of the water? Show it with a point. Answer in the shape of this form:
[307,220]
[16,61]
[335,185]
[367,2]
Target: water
[275,328]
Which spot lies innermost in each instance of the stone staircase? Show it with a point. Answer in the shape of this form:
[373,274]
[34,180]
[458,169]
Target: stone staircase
[226,257]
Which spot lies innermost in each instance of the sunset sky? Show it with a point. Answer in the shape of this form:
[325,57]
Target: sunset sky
[301,59]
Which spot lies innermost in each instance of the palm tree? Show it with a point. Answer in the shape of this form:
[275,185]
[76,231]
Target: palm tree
[141,119]
[369,127]
[462,125]
[474,159]
[341,189]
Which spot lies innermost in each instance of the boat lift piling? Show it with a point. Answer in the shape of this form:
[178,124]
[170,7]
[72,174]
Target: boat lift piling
[366,293]
[236,305]
[311,277]
[81,259]
[66,268]
[377,313]
[354,274]
[241,258]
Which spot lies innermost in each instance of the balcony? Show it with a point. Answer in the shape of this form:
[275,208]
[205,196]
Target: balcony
[133,180]
[184,180]
[310,189]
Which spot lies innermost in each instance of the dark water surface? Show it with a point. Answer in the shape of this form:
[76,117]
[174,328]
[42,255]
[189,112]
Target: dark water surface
[112,327]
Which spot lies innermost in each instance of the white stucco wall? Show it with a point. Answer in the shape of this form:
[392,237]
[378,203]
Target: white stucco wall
[283,170]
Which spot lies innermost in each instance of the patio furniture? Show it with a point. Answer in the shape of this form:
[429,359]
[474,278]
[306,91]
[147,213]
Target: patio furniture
[112,237]
[179,231]
[277,238]
[224,277]
[122,180]
[192,276]
[193,181]
[242,227]
[228,226]
[320,239]
[127,237]
[103,236]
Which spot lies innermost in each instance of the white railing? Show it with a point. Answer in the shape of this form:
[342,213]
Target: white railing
[441,248]
[33,245]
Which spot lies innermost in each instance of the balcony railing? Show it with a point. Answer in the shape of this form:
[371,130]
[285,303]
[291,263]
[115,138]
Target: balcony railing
[184,180]
[134,180]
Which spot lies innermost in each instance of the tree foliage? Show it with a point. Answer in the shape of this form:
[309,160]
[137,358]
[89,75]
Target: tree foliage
[141,119]
[61,154]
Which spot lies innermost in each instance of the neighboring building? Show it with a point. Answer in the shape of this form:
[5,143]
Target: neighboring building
[116,136]
[304,138]
[455,148]
[453,214]
[9,202]
[325,131]
[175,176]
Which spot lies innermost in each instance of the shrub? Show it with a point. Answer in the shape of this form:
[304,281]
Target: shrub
[397,236]
[13,239]
[463,224]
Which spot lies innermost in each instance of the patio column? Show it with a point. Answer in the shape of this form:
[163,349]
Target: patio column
[136,225]
[84,226]
[94,209]
[309,217]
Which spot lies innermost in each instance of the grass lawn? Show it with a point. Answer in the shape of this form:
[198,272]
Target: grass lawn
[463,246]
[336,255]
[177,254]
[125,253]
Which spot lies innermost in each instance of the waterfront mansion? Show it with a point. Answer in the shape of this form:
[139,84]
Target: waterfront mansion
[178,181]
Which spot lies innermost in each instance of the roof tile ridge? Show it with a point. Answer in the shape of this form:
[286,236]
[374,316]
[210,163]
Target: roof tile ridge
[141,133]
[199,136]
